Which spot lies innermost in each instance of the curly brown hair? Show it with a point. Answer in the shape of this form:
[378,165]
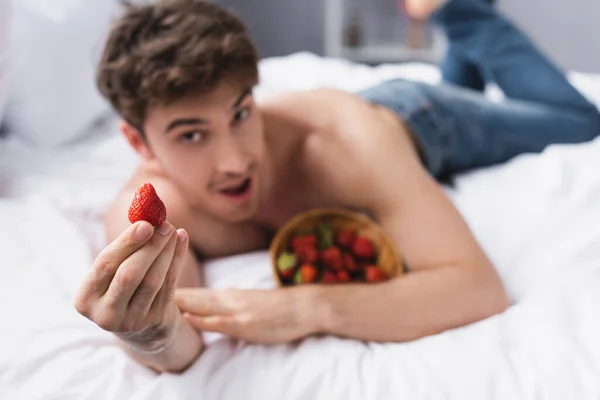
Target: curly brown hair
[158,53]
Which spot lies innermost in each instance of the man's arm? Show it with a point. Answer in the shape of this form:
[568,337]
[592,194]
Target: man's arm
[450,283]
[183,347]
[180,351]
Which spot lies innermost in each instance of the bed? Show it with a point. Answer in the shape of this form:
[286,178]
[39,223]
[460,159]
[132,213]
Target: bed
[536,217]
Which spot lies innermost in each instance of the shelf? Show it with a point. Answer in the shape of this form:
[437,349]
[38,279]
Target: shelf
[415,43]
[389,53]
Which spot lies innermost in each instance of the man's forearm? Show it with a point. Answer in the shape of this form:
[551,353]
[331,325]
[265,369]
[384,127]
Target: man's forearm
[180,353]
[417,305]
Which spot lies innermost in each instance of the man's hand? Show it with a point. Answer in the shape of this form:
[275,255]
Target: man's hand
[129,289]
[262,316]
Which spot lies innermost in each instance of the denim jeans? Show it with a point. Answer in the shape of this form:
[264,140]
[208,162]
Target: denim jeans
[458,70]
[456,128]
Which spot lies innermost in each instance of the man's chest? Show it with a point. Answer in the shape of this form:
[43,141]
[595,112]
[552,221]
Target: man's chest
[210,239]
[311,181]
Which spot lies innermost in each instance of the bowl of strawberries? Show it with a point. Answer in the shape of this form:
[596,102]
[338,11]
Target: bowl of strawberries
[333,246]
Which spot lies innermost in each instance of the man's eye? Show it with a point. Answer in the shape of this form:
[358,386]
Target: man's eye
[241,115]
[191,137]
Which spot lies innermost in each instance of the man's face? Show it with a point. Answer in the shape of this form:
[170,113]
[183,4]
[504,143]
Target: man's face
[212,148]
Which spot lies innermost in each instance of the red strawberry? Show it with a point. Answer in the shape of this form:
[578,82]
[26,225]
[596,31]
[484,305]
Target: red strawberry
[332,257]
[147,206]
[349,263]
[299,242]
[329,277]
[306,274]
[345,238]
[307,254]
[362,265]
[375,274]
[343,276]
[362,248]
[286,273]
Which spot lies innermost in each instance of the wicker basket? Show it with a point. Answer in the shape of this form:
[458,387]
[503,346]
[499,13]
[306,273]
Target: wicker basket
[387,256]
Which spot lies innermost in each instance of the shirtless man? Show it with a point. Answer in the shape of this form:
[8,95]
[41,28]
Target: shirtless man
[232,171]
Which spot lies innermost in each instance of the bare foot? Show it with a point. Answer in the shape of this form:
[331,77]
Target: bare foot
[421,9]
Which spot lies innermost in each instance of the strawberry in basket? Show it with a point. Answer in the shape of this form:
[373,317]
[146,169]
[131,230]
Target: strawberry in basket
[326,255]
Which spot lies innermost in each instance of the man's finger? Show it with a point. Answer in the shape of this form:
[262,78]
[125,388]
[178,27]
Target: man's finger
[131,271]
[217,323]
[200,301]
[167,291]
[179,260]
[153,281]
[110,258]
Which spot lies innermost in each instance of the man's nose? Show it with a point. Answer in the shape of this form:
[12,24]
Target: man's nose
[231,158]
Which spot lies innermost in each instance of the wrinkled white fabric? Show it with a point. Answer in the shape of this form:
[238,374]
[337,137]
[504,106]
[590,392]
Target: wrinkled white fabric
[536,216]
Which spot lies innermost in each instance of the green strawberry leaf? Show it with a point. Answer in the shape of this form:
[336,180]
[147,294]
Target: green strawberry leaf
[285,261]
[325,235]
[298,278]
[304,232]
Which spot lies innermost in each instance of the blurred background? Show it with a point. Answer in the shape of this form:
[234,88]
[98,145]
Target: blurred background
[568,30]
[49,48]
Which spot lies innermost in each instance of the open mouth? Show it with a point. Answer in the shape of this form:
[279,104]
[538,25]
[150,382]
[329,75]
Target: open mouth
[238,191]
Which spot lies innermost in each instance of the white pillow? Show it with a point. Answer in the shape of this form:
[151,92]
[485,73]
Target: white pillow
[4,20]
[54,47]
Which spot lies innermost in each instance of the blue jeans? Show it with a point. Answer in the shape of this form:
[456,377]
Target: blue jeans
[457,129]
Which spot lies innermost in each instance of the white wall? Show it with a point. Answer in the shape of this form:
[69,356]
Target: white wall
[567,30]
[280,27]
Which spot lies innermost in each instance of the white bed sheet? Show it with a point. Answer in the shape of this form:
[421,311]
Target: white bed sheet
[535,216]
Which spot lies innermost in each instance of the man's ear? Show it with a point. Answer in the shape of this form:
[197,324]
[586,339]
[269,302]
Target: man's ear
[136,140]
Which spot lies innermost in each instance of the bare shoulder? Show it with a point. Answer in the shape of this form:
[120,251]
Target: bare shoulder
[344,116]
[351,147]
[313,98]
[315,109]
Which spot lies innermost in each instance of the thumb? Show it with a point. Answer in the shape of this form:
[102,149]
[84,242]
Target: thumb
[184,297]
[198,301]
